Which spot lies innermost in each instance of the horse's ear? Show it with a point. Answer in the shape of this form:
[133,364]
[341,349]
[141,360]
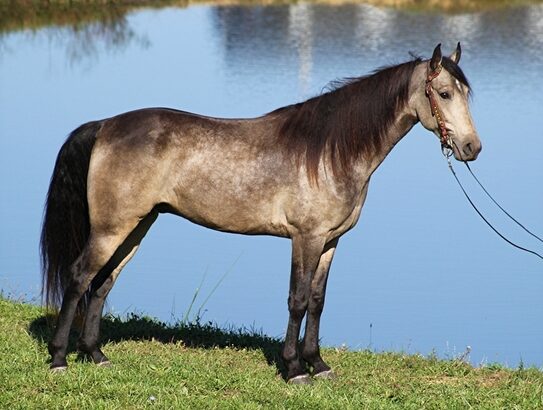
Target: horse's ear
[455,56]
[435,62]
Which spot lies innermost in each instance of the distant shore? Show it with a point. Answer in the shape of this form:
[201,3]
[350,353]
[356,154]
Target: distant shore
[34,14]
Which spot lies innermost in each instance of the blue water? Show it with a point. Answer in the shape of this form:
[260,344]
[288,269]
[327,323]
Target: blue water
[420,268]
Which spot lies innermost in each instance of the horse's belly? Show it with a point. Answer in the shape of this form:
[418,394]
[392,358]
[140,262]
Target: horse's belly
[229,208]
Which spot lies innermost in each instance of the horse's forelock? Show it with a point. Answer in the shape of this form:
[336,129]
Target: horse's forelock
[455,70]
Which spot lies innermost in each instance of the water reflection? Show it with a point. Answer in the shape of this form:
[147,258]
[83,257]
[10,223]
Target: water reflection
[269,35]
[299,31]
[84,38]
[86,43]
[393,269]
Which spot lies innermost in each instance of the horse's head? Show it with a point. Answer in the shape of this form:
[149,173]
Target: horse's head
[441,104]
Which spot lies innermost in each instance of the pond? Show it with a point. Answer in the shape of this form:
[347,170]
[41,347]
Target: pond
[419,273]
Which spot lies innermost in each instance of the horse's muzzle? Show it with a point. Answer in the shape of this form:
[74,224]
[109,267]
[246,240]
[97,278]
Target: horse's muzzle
[469,150]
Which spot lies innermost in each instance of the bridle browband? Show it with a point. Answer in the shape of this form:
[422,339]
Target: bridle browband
[445,138]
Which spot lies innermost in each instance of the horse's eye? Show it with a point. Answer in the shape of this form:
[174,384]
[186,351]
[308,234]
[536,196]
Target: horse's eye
[445,95]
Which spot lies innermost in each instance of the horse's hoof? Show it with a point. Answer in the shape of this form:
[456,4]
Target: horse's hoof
[327,374]
[301,379]
[58,369]
[105,363]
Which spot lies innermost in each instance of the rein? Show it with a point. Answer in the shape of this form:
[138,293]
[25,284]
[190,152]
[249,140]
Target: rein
[446,148]
[484,219]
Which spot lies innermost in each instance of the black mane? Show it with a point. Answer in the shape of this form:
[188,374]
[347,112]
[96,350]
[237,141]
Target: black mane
[351,119]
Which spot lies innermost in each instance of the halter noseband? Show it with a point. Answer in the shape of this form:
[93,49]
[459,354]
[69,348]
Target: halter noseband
[446,141]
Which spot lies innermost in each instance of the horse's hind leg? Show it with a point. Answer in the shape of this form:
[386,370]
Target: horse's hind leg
[88,343]
[310,344]
[97,252]
[102,284]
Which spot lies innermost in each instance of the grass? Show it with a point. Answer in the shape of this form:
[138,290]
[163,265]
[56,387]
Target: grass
[201,366]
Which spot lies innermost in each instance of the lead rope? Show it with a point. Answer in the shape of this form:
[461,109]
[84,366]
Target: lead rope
[499,206]
[447,153]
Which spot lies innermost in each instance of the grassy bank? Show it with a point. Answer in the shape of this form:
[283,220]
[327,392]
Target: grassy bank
[204,367]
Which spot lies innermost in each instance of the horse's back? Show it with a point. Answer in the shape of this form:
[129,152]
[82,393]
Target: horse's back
[221,173]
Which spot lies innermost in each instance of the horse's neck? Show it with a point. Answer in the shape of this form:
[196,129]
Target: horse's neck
[401,126]
[405,119]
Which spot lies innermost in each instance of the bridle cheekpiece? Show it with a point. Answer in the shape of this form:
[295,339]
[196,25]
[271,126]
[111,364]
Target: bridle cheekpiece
[446,141]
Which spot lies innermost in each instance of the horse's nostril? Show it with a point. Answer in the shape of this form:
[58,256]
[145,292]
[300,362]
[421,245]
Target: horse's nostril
[468,148]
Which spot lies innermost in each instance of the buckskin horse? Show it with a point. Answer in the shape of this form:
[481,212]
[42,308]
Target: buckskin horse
[299,172]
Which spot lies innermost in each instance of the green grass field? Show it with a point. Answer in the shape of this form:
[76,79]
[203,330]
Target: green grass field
[201,366]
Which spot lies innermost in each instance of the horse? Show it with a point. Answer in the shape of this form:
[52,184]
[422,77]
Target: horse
[299,172]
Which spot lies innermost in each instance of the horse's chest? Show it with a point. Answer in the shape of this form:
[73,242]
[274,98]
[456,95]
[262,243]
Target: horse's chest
[348,214]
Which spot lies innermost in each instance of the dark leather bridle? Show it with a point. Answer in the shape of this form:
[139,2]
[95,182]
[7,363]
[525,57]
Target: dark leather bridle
[446,141]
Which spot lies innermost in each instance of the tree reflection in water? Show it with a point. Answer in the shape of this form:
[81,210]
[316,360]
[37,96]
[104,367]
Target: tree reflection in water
[83,30]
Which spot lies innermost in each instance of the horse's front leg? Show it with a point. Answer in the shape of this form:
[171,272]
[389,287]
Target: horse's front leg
[310,345]
[306,252]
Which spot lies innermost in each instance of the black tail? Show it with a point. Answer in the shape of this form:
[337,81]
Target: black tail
[66,225]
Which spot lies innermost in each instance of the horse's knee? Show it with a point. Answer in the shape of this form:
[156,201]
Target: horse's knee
[316,303]
[297,307]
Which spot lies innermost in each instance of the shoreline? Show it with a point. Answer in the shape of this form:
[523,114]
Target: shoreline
[16,15]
